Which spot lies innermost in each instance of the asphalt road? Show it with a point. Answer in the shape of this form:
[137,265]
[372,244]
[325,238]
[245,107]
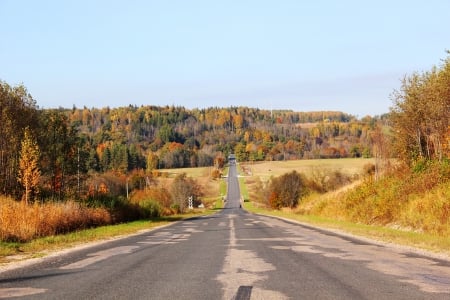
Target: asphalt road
[233,255]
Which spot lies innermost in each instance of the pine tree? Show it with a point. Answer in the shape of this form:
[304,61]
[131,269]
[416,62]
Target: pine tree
[29,173]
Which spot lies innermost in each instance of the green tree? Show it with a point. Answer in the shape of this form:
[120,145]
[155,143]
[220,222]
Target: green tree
[29,173]
[59,142]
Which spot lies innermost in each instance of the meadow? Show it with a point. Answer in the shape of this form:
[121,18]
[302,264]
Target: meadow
[265,170]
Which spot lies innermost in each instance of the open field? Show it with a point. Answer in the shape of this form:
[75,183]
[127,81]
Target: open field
[264,170]
[190,172]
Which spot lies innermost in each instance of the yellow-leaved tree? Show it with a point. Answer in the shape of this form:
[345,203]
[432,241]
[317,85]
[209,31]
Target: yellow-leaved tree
[29,173]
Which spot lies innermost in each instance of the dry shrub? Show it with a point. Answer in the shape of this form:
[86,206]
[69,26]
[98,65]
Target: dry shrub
[216,174]
[21,222]
[430,212]
[154,201]
[323,181]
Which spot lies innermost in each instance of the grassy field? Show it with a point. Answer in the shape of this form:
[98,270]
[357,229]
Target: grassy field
[265,170]
[191,172]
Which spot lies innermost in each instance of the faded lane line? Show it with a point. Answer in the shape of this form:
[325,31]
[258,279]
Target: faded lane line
[244,268]
[20,292]
[99,256]
[426,273]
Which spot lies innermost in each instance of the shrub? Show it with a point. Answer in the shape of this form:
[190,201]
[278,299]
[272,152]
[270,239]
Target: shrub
[215,174]
[324,181]
[150,208]
[21,222]
[369,169]
[286,190]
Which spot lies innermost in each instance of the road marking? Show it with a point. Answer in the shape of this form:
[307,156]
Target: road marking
[425,273]
[244,268]
[20,292]
[99,256]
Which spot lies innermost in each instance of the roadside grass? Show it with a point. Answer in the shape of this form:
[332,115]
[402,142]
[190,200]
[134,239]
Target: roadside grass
[429,242]
[408,208]
[13,251]
[243,189]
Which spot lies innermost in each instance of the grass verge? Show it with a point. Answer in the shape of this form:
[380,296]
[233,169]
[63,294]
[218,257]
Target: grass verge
[429,242]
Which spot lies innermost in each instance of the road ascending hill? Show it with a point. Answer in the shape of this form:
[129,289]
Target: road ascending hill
[233,255]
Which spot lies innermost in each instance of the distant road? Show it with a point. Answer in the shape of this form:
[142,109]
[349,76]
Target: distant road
[233,255]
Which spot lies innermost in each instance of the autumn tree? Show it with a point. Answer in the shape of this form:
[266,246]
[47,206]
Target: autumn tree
[421,115]
[181,189]
[29,173]
[17,111]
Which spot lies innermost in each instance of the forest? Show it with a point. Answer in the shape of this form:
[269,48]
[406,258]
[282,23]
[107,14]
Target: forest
[77,145]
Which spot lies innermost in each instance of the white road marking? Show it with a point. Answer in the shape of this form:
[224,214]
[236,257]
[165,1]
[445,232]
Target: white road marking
[425,273]
[244,268]
[19,292]
[99,256]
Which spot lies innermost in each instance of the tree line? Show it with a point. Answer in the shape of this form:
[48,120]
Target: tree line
[76,144]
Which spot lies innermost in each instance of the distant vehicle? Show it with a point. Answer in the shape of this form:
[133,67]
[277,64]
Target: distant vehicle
[231,159]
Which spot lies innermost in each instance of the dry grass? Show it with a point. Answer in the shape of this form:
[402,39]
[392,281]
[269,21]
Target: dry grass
[349,166]
[21,222]
[191,172]
[403,199]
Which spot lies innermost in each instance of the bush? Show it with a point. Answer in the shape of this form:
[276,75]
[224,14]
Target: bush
[369,169]
[323,181]
[150,208]
[215,174]
[286,190]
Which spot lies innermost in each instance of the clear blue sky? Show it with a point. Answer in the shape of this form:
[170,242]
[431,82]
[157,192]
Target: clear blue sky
[299,55]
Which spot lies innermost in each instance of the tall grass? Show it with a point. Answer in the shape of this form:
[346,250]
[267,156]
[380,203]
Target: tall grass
[413,199]
[20,222]
[407,199]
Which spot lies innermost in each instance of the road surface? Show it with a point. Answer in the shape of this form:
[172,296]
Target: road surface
[233,255]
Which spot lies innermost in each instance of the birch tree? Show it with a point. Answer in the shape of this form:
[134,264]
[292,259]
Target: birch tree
[29,173]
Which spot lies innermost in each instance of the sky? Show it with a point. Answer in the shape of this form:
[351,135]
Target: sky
[316,55]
